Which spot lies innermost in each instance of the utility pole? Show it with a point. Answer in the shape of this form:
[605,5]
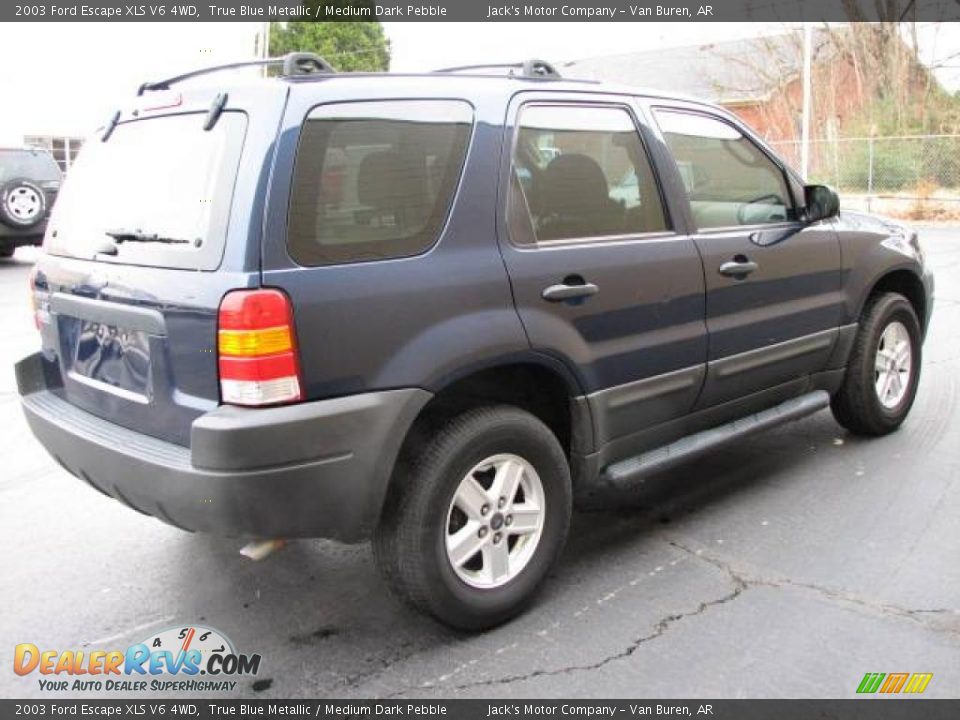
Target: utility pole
[807,100]
[263,46]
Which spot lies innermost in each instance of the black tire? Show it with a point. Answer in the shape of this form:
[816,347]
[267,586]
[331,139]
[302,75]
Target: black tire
[36,213]
[410,542]
[856,405]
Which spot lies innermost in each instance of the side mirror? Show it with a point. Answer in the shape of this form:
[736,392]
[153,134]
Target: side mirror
[821,202]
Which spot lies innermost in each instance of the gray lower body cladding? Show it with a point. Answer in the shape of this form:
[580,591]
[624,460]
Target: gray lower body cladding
[13,237]
[317,469]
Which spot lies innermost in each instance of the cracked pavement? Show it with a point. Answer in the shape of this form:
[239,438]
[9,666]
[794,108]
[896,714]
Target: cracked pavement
[787,565]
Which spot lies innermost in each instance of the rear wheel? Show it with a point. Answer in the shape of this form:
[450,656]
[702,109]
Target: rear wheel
[884,369]
[480,515]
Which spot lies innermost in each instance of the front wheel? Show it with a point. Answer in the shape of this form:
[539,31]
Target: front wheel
[884,369]
[479,514]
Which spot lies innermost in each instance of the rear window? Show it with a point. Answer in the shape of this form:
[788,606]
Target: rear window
[163,177]
[35,165]
[375,180]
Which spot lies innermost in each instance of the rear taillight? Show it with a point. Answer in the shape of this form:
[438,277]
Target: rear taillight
[257,349]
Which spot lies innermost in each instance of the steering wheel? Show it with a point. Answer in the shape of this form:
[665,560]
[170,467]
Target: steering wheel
[769,199]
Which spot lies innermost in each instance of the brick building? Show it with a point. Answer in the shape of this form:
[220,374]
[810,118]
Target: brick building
[758,79]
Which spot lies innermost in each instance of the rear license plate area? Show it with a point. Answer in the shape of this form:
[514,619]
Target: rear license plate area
[105,355]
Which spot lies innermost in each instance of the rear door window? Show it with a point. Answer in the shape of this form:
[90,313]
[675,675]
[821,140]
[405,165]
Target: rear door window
[375,180]
[581,171]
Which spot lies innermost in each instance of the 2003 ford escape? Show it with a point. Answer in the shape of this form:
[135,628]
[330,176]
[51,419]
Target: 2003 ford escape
[431,309]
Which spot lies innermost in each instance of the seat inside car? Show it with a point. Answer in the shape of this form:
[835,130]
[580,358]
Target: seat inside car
[391,184]
[573,200]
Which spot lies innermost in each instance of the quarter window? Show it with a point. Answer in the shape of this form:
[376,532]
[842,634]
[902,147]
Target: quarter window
[375,180]
[581,172]
[729,180]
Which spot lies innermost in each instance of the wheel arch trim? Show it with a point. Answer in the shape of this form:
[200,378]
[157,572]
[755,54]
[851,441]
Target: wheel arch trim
[917,294]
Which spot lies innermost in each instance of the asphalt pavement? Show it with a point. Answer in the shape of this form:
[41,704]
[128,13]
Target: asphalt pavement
[787,565]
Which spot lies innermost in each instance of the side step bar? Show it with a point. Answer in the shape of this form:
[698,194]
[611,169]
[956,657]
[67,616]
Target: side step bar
[626,472]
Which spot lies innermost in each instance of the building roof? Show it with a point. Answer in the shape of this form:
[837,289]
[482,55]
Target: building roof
[727,73]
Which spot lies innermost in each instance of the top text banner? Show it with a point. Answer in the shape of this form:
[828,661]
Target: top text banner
[480,10]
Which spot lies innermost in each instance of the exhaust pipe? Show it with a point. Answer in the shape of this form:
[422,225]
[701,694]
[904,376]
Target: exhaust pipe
[259,549]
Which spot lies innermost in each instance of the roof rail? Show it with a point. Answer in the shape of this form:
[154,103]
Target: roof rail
[295,63]
[532,68]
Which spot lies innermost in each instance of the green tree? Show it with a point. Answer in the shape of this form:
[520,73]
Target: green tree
[348,46]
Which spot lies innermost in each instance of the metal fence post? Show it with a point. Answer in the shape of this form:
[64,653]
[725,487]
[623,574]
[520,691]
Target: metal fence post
[897,169]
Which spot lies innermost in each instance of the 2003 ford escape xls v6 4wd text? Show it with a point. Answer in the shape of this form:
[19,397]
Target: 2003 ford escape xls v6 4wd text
[433,309]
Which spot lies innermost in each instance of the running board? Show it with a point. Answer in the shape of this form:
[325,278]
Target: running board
[631,470]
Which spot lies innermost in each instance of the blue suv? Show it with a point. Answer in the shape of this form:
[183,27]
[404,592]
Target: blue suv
[433,309]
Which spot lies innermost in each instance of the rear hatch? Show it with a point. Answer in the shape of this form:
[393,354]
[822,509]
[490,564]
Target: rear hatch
[142,244]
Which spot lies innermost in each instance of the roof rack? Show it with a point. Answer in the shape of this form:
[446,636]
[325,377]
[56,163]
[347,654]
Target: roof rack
[532,68]
[295,63]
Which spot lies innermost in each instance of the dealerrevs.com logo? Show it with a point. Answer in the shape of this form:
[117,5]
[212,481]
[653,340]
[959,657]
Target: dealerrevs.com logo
[193,658]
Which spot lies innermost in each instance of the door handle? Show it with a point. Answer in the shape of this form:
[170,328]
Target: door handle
[569,291]
[739,267]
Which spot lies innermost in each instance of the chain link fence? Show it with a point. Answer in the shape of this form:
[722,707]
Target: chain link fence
[911,176]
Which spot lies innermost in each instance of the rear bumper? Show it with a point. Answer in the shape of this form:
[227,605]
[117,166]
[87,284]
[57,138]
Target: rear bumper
[317,469]
[16,237]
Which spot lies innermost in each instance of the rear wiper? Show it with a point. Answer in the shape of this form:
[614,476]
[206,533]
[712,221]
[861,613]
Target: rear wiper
[122,236]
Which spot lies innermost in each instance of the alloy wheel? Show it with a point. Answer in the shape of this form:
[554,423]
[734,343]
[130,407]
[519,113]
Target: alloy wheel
[495,521]
[893,365]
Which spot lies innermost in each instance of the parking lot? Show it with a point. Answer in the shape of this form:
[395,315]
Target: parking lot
[785,566]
